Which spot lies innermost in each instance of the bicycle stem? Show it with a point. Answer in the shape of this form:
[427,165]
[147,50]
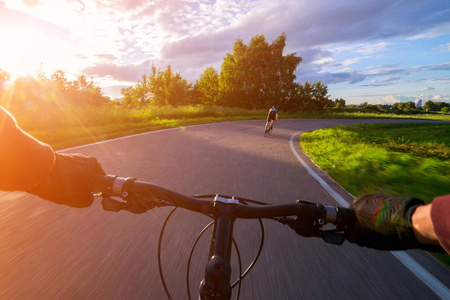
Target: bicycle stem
[216,284]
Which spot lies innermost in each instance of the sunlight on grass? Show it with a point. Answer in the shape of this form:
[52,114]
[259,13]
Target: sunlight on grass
[65,126]
[408,160]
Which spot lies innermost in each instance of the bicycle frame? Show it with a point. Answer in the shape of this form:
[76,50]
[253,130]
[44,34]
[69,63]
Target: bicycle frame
[268,128]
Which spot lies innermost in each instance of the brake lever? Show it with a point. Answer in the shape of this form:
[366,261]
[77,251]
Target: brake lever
[336,238]
[333,236]
[113,205]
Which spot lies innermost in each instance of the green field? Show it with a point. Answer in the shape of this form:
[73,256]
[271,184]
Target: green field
[405,160]
[67,126]
[408,160]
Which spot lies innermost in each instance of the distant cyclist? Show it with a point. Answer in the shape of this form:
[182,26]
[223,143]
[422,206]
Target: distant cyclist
[272,116]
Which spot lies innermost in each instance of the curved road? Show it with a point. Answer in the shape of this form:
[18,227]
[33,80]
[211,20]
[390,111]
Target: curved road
[49,251]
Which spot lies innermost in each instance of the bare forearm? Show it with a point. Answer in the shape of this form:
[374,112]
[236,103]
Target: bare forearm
[24,161]
[423,226]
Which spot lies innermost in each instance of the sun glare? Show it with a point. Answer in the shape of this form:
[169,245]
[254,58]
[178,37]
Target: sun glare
[24,51]
[17,54]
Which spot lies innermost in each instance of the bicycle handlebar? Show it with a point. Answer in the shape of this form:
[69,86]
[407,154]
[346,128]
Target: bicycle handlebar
[150,194]
[305,217]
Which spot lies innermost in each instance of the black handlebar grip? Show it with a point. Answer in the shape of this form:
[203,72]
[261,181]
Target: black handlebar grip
[346,217]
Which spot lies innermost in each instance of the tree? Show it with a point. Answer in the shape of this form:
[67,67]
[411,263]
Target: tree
[312,97]
[398,105]
[159,88]
[410,105]
[59,77]
[207,87]
[231,79]
[430,106]
[339,102]
[257,75]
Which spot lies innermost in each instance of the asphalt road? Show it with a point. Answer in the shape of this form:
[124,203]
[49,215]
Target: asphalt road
[49,251]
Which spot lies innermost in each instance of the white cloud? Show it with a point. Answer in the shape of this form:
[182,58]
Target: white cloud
[375,48]
[384,81]
[387,100]
[443,48]
[325,62]
[351,61]
[115,37]
[441,98]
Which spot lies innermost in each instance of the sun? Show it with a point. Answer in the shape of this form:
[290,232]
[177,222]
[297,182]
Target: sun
[20,53]
[16,51]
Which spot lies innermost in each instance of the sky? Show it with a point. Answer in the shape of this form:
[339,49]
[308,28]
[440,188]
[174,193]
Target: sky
[380,52]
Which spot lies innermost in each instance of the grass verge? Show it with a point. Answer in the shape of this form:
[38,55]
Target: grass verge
[410,159]
[68,126]
[405,160]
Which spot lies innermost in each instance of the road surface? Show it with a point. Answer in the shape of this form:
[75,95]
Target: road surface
[50,251]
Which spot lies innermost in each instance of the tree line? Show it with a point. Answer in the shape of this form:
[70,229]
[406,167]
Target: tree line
[29,93]
[255,75]
[409,106]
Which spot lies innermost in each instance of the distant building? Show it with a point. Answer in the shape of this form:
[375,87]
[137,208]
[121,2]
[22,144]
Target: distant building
[419,104]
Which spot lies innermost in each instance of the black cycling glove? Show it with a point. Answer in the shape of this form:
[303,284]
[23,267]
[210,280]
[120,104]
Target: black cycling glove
[384,223]
[71,181]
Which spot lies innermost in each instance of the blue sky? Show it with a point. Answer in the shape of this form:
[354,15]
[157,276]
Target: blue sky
[365,51]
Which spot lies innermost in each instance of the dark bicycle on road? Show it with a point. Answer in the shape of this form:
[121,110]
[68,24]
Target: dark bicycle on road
[268,128]
[305,217]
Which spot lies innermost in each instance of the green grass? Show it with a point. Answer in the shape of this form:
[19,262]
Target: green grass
[66,126]
[405,160]
[408,160]
[373,115]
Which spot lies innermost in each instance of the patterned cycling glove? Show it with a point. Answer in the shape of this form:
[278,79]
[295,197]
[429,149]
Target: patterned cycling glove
[384,223]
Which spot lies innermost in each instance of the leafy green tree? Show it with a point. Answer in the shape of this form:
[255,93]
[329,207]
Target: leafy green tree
[207,87]
[435,106]
[340,102]
[319,96]
[398,105]
[312,97]
[173,88]
[430,106]
[257,75]
[159,88]
[231,80]
[128,97]
[410,105]
[364,104]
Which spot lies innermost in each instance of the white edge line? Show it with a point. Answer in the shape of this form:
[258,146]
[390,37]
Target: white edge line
[432,282]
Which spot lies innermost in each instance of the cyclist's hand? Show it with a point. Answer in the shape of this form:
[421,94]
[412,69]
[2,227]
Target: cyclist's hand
[71,181]
[384,222]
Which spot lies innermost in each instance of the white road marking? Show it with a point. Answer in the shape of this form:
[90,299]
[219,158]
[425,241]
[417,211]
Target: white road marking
[434,284]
